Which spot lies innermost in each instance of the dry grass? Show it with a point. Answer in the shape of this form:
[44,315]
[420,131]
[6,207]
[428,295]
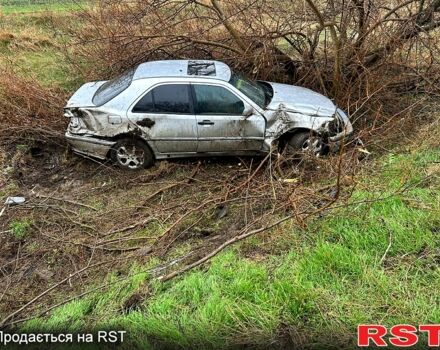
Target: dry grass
[27,108]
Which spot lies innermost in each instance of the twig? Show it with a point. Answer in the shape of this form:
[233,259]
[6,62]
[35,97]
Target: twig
[254,173]
[221,247]
[67,201]
[123,239]
[112,232]
[387,250]
[188,180]
[162,190]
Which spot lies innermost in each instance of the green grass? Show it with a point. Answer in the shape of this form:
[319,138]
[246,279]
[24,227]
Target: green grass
[49,67]
[38,58]
[26,7]
[29,47]
[332,277]
[20,229]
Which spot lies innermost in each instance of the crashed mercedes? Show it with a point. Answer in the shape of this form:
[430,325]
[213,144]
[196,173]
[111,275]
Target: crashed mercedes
[181,108]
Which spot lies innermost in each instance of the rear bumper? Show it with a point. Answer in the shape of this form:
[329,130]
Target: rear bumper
[89,145]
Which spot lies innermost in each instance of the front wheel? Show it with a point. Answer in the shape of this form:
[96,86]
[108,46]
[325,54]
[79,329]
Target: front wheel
[307,142]
[131,154]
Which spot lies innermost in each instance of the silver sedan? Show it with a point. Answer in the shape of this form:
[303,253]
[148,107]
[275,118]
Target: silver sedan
[183,108]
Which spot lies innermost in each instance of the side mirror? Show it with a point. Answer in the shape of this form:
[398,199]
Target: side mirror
[248,111]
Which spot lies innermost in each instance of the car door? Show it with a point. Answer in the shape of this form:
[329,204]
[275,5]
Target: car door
[221,125]
[165,115]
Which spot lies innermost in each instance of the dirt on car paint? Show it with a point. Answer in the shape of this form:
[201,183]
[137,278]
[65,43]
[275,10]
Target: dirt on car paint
[147,123]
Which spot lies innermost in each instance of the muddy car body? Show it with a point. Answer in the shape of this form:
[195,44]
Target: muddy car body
[181,108]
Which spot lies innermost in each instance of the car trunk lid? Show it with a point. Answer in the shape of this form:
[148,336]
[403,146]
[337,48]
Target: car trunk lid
[84,95]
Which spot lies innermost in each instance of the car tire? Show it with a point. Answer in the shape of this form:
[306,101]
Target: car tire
[131,154]
[307,142]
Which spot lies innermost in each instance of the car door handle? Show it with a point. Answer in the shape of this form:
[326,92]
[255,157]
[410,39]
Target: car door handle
[206,122]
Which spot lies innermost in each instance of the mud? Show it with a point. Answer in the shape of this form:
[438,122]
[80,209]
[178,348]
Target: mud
[147,123]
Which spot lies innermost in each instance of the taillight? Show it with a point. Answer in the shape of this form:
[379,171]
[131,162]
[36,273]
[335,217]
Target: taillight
[72,113]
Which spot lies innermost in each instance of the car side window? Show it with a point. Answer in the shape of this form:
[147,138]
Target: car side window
[211,99]
[170,98]
[145,104]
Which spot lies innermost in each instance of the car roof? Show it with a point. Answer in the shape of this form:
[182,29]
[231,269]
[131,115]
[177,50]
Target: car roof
[183,68]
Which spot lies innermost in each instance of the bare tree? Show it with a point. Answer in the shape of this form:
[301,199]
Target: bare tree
[345,48]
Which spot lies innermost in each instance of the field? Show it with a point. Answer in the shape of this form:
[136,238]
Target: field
[94,247]
[13,7]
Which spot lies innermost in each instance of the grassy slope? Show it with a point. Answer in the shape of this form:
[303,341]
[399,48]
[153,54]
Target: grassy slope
[24,6]
[328,278]
[32,48]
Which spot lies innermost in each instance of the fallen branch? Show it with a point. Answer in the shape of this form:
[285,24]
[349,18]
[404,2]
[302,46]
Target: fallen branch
[67,201]
[221,247]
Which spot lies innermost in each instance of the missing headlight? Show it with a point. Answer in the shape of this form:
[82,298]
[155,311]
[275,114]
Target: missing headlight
[335,126]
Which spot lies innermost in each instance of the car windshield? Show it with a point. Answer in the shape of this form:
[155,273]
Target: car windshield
[112,88]
[251,89]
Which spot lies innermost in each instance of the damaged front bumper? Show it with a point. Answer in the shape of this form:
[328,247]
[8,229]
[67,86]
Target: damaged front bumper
[347,128]
[89,145]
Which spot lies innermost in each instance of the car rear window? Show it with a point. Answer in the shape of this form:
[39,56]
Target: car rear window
[112,88]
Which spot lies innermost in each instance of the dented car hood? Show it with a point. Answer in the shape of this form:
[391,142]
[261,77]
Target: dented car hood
[84,95]
[300,100]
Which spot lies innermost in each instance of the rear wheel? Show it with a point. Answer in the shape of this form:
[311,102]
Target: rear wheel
[131,154]
[307,142]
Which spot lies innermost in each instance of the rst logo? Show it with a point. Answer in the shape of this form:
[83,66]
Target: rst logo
[402,335]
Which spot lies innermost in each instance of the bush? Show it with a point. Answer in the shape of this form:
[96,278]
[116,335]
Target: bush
[27,108]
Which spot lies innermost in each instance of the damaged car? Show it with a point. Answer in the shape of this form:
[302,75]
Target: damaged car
[182,108]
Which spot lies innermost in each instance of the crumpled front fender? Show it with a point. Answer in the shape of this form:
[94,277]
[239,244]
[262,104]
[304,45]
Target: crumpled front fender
[282,121]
